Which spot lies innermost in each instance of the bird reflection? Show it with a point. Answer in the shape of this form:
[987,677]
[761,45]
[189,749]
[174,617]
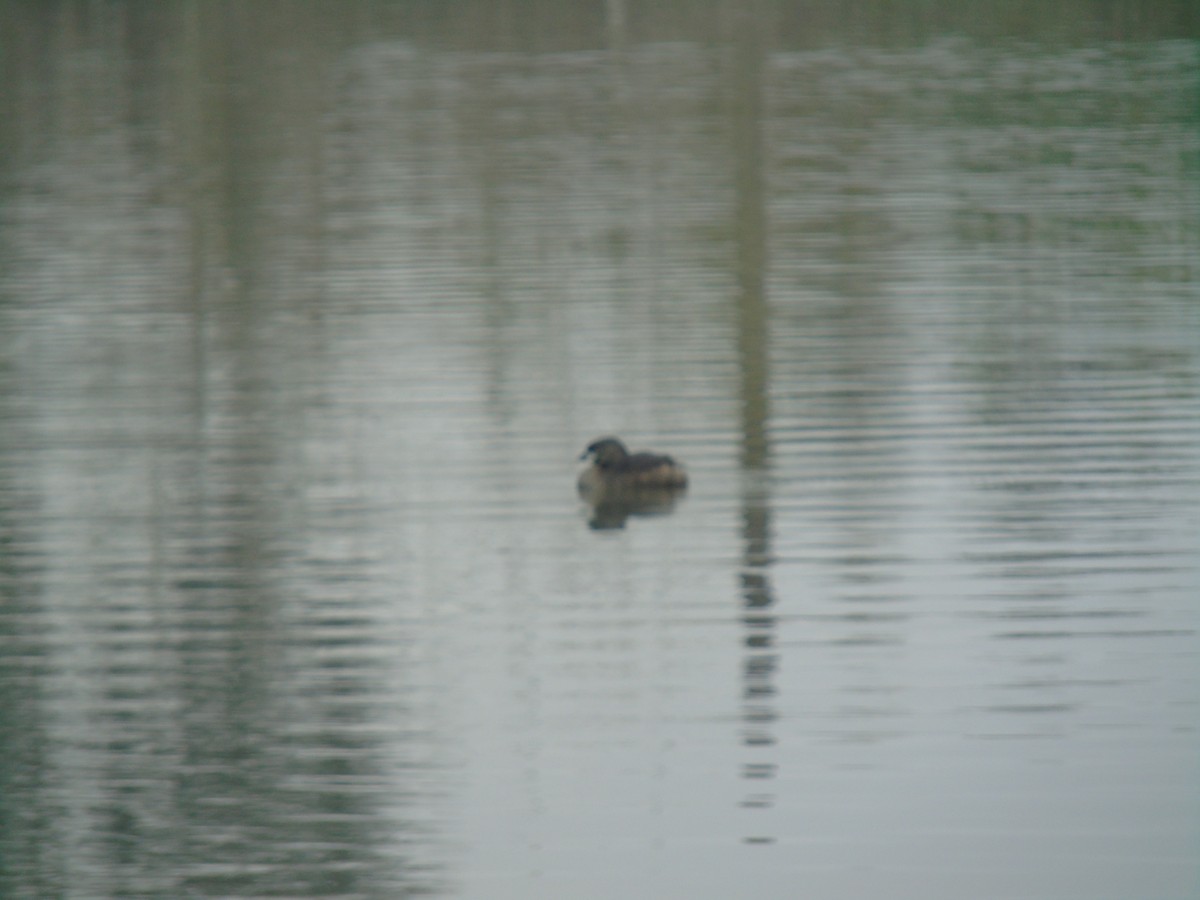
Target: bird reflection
[609,507]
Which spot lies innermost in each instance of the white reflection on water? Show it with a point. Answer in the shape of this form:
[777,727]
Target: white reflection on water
[299,596]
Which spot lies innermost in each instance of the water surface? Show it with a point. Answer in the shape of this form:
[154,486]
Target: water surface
[302,330]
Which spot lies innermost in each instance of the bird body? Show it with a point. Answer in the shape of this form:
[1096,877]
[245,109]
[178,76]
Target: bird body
[614,467]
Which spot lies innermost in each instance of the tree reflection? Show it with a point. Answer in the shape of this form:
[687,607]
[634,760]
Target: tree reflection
[746,119]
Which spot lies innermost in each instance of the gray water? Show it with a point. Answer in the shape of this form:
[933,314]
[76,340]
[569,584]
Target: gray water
[307,311]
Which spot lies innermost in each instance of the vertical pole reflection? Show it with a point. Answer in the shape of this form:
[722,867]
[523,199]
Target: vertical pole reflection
[758,600]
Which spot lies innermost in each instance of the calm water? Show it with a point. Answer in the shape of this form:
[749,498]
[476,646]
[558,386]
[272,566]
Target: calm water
[306,314]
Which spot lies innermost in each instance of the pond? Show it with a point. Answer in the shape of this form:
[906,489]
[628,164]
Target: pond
[307,313]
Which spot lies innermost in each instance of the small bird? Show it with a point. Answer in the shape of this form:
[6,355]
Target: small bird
[615,468]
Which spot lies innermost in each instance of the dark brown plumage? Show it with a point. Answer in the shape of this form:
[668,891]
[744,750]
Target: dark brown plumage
[614,467]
